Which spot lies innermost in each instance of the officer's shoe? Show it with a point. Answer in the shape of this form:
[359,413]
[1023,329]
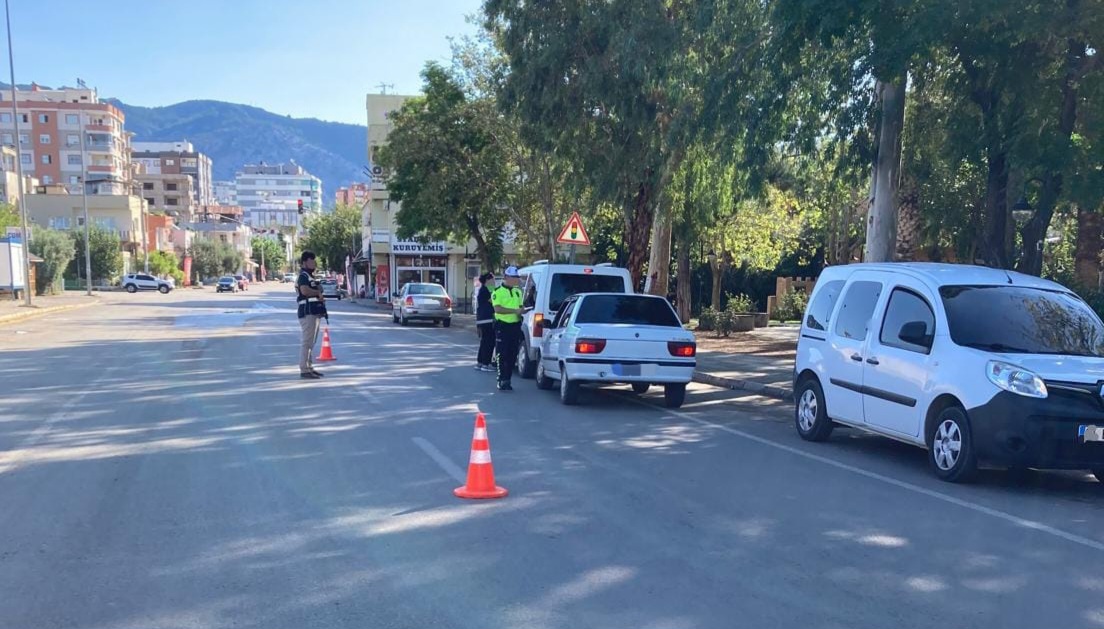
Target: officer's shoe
[309,375]
[504,385]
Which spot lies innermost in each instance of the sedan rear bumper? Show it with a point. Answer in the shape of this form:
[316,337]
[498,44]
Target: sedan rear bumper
[426,314]
[654,372]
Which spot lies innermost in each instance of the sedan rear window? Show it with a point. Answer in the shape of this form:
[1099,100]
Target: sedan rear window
[630,309]
[565,285]
[425,289]
[1017,319]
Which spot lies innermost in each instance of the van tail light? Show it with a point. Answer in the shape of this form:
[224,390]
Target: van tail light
[448,302]
[590,346]
[538,325]
[682,349]
[409,301]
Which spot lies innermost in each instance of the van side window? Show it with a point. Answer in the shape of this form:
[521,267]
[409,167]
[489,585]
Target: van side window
[529,300]
[821,308]
[857,308]
[909,322]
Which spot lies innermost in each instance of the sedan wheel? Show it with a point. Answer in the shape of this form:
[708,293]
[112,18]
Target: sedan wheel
[810,414]
[569,391]
[951,447]
[543,381]
[446,323]
[674,395]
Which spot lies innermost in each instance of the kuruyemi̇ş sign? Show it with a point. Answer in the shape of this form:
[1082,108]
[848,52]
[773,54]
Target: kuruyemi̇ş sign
[411,245]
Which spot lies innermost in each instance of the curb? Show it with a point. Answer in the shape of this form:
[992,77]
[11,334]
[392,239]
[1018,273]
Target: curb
[735,384]
[39,312]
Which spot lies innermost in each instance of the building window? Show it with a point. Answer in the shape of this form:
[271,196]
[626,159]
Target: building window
[149,201]
[24,158]
[24,139]
[5,118]
[170,187]
[171,201]
[47,180]
[73,160]
[9,139]
[74,180]
[72,119]
[147,185]
[44,118]
[72,139]
[24,119]
[47,159]
[170,162]
[44,138]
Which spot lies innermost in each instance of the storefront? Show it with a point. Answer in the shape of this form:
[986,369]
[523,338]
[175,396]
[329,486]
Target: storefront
[397,262]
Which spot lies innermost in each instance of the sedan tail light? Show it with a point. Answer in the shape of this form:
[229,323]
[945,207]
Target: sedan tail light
[448,302]
[682,348]
[590,346]
[410,301]
[538,325]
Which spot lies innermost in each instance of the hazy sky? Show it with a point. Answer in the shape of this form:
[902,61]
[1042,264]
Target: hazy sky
[312,58]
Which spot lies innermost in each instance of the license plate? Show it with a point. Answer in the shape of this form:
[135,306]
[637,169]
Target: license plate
[626,370]
[1090,433]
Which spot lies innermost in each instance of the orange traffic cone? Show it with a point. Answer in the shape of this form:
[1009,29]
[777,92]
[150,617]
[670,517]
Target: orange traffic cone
[327,351]
[481,481]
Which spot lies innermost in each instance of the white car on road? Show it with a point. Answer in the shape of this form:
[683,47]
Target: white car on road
[617,338]
[977,365]
[134,282]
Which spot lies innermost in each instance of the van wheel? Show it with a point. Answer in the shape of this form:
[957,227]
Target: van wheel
[569,391]
[543,381]
[641,388]
[810,413]
[163,289]
[131,288]
[1099,474]
[526,368]
[951,446]
[674,395]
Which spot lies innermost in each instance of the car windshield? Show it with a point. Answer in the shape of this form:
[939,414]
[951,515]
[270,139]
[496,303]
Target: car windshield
[565,285]
[1017,319]
[628,309]
[425,289]
[226,279]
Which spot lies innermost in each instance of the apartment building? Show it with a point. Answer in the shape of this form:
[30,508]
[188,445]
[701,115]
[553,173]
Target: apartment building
[226,193]
[173,194]
[50,126]
[177,158]
[270,195]
[9,177]
[355,195]
[124,215]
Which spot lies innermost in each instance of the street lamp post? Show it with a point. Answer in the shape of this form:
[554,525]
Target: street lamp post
[84,196]
[19,168]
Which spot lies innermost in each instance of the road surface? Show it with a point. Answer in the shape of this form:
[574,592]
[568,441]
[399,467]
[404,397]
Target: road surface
[162,465]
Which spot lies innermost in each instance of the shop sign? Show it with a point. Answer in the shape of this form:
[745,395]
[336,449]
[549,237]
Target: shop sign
[410,245]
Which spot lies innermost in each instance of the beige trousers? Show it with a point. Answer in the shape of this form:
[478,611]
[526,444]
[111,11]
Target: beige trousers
[309,326]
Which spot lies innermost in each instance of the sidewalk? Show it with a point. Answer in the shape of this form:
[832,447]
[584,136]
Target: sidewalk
[13,309]
[759,362]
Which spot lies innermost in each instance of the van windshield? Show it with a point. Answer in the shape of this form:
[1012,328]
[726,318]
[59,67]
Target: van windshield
[565,285]
[1017,319]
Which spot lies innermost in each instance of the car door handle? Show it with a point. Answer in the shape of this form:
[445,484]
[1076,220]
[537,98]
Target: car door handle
[872,360]
[856,358]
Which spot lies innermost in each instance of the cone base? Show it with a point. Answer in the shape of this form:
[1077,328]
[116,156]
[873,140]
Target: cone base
[324,360]
[464,492]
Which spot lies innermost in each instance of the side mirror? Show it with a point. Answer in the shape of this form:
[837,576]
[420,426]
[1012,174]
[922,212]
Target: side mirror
[915,333]
[394,294]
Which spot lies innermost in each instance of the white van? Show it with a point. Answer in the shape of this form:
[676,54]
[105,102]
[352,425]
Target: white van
[977,365]
[546,287]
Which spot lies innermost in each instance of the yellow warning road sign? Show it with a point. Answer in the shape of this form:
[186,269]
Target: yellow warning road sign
[573,232]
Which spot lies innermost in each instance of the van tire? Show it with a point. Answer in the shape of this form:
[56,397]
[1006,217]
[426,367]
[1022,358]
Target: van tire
[1099,474]
[526,368]
[810,413]
[957,424]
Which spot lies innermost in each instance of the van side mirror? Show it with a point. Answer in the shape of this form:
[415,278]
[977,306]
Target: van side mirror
[915,333]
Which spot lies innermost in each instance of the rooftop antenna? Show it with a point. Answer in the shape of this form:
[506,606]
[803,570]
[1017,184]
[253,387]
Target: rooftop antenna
[383,87]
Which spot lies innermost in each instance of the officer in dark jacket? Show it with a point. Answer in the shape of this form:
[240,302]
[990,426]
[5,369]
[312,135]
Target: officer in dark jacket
[484,321]
[311,307]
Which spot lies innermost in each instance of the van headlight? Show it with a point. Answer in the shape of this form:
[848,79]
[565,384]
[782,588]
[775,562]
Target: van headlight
[1015,379]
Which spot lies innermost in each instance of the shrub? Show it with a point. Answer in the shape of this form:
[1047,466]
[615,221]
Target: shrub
[740,304]
[707,321]
[791,307]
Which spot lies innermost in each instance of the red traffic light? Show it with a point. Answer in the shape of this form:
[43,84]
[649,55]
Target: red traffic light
[300,206]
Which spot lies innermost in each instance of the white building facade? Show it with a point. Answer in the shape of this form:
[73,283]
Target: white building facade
[270,195]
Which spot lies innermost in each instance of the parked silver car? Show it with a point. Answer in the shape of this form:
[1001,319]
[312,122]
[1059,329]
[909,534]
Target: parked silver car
[422,302]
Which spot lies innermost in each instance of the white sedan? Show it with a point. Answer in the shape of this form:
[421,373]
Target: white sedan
[617,338]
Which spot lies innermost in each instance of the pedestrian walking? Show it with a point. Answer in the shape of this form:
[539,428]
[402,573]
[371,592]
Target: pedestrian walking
[311,309]
[484,323]
[506,300]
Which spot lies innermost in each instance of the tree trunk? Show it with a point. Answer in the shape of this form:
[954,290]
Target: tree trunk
[638,229]
[683,296]
[659,263]
[996,209]
[1086,256]
[881,225]
[719,267]
[909,223]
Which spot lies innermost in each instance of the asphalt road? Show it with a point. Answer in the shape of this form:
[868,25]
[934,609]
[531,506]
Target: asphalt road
[162,465]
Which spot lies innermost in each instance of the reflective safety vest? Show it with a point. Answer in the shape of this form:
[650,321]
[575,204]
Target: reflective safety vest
[507,298]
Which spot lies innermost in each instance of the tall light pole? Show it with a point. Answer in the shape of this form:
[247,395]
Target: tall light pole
[19,169]
[84,194]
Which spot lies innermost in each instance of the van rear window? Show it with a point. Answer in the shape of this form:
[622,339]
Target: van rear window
[565,285]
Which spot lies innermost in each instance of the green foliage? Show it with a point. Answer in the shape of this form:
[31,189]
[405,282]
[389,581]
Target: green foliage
[165,264]
[57,250]
[332,236]
[708,320]
[271,252]
[107,256]
[791,307]
[740,304]
[213,257]
[9,216]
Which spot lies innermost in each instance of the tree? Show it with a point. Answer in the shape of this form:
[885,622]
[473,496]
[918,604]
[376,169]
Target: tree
[206,259]
[165,264]
[57,249]
[106,251]
[270,252]
[333,236]
[230,259]
[9,216]
[447,168]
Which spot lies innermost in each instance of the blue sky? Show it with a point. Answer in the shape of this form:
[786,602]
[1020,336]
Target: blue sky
[313,58]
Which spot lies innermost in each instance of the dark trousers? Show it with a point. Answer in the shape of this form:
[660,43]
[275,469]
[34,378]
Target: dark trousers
[486,343]
[507,338]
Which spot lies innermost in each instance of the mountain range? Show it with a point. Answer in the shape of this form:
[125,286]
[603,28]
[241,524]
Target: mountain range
[233,135]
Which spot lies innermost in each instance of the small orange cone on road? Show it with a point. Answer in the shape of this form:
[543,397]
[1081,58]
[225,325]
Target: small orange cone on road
[327,351]
[481,481]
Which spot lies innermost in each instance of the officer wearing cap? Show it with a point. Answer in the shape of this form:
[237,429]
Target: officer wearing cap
[506,300]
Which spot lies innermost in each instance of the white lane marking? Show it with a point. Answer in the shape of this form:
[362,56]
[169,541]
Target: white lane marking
[441,460]
[931,493]
[440,340]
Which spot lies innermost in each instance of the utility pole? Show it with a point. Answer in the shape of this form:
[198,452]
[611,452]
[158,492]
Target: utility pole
[84,194]
[19,169]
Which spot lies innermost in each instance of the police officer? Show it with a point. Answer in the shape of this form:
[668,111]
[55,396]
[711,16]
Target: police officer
[311,308]
[506,300]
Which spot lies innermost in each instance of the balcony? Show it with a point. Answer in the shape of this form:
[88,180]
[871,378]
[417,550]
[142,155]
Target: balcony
[101,127]
[102,168]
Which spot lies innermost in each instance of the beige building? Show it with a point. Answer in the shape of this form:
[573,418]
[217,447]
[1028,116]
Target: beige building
[177,158]
[123,215]
[9,177]
[172,194]
[395,262]
[239,236]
